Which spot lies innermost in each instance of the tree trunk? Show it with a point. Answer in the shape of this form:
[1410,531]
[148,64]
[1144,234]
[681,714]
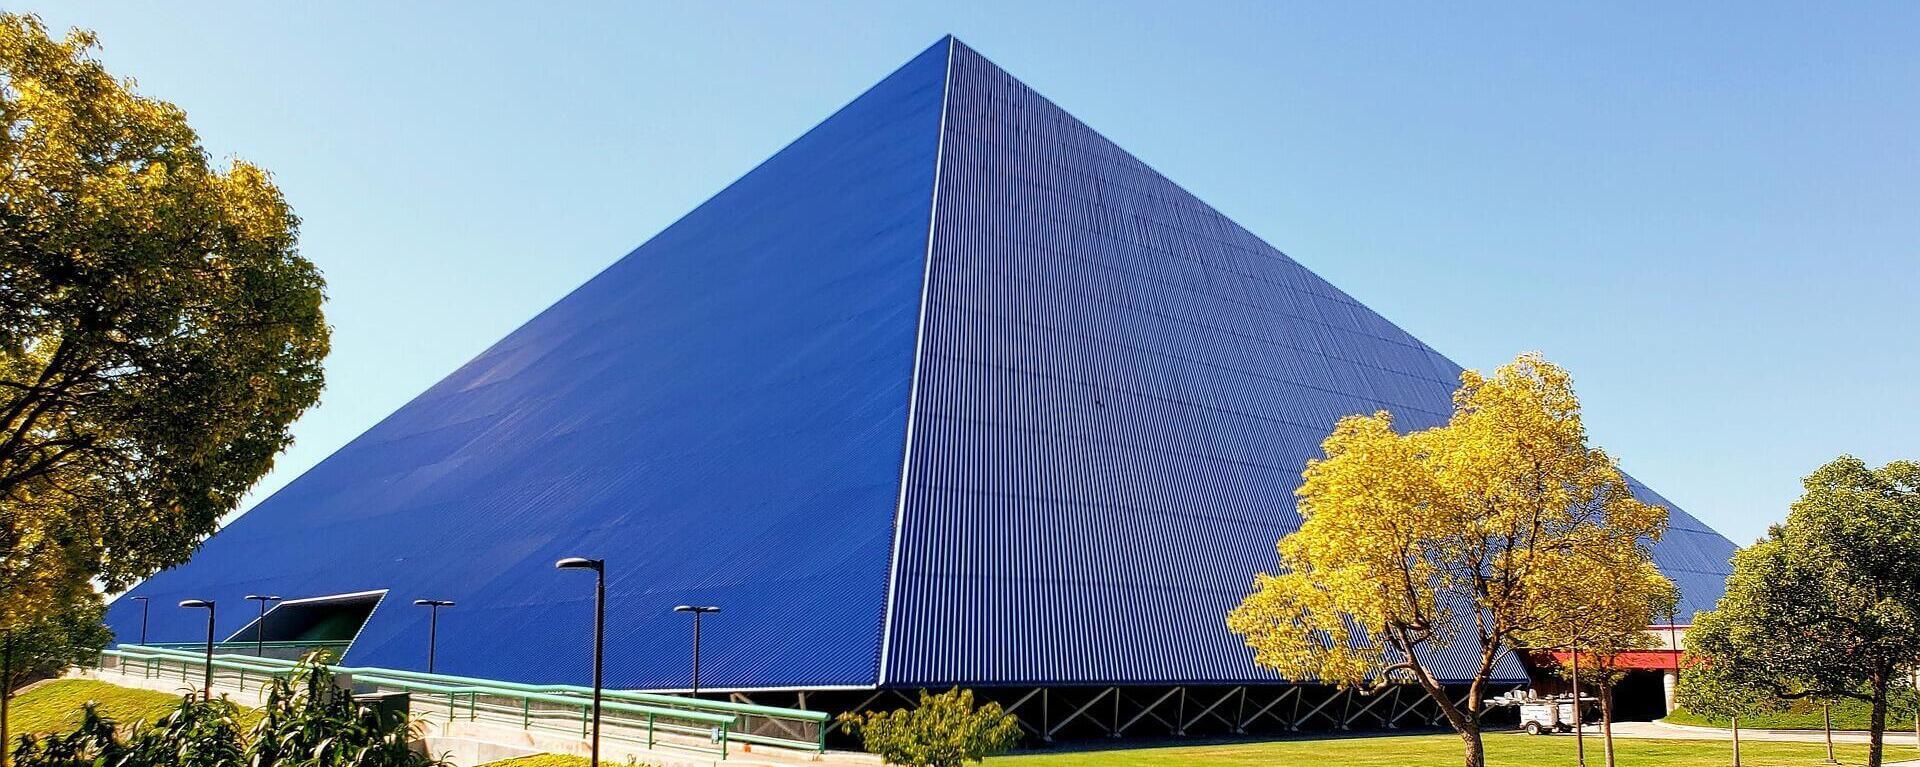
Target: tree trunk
[6,696]
[1579,721]
[1878,725]
[1826,718]
[1476,751]
[1466,722]
[1606,722]
[1736,740]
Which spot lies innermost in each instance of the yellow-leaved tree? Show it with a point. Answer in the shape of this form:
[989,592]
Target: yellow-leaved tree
[1466,532]
[1599,611]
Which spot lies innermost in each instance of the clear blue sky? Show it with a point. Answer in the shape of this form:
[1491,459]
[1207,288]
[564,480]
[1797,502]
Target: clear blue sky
[1711,213]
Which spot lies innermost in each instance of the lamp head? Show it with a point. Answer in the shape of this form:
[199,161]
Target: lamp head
[207,603]
[581,563]
[434,602]
[139,599]
[263,598]
[696,609]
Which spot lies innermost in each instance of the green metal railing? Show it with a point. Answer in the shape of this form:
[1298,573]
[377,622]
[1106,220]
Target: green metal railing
[284,650]
[191,671]
[687,721]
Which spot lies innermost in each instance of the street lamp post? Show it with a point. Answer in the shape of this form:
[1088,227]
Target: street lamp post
[1673,642]
[697,610]
[260,624]
[599,568]
[433,625]
[206,691]
[143,617]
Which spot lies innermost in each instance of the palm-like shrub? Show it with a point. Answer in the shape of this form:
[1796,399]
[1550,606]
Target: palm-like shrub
[309,721]
[200,733]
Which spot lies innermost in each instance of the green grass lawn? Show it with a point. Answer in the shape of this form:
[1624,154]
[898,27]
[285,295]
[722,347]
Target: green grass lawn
[1805,715]
[56,705]
[541,760]
[1503,750]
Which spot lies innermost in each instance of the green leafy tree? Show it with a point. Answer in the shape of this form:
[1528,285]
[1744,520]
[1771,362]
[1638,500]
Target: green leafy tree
[1722,690]
[1827,606]
[945,730]
[158,328]
[69,637]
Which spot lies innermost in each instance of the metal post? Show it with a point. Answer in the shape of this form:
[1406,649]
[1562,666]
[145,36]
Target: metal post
[1673,639]
[599,568]
[433,636]
[697,610]
[207,604]
[207,686]
[260,623]
[1046,716]
[433,626]
[144,604]
[599,646]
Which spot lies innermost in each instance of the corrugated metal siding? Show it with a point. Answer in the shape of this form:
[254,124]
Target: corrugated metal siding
[1695,557]
[719,415]
[1118,389]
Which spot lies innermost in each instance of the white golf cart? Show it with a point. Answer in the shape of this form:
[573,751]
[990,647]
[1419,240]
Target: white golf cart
[1544,714]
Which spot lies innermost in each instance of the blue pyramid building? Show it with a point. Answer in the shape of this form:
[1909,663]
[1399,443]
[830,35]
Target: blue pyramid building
[950,391]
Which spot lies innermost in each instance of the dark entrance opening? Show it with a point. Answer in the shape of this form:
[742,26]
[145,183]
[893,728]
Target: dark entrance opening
[1641,696]
[298,626]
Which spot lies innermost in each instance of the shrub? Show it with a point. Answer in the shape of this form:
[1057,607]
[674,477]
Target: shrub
[308,721]
[945,730]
